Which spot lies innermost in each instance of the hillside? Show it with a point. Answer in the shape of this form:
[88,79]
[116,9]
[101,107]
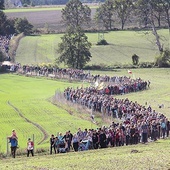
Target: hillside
[153,156]
[43,49]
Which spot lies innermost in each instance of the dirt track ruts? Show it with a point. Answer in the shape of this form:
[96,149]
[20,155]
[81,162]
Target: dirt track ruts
[33,123]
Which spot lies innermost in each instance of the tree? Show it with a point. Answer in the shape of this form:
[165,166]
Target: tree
[142,11]
[104,14]
[123,9]
[9,26]
[1,56]
[164,59]
[22,25]
[2,22]
[149,6]
[166,8]
[26,2]
[158,10]
[74,48]
[2,5]
[154,30]
[75,14]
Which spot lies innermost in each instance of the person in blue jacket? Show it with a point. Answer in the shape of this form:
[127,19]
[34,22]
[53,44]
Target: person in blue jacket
[13,141]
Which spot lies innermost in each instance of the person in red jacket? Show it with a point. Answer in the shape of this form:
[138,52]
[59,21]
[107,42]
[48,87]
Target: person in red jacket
[30,147]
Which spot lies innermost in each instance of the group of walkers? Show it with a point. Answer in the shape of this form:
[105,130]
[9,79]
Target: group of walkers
[102,99]
[130,132]
[139,124]
[4,44]
[13,140]
[115,84]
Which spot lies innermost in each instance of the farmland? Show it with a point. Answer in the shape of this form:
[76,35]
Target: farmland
[42,17]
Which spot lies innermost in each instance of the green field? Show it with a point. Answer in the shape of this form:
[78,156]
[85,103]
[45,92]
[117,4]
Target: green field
[32,9]
[154,156]
[25,104]
[43,8]
[26,108]
[122,45]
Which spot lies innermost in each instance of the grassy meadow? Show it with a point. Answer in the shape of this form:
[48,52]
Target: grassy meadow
[122,45]
[154,156]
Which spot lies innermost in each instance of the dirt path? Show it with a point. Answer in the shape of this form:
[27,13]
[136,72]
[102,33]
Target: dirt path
[45,134]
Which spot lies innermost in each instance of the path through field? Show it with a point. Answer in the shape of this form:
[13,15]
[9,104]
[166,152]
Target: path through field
[45,134]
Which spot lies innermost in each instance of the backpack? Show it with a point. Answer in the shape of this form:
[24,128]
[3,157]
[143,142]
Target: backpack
[163,125]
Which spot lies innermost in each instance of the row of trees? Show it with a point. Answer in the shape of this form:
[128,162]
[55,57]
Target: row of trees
[75,50]
[145,11]
[15,25]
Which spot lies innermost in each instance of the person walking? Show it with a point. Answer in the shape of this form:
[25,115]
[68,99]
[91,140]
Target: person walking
[30,147]
[13,141]
[52,144]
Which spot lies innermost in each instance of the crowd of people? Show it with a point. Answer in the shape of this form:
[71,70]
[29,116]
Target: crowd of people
[101,98]
[4,44]
[139,128]
[139,124]
[116,85]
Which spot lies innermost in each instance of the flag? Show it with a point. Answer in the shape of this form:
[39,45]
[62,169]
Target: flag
[96,84]
[129,71]
[100,86]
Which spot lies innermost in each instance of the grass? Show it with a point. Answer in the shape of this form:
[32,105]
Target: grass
[40,49]
[152,156]
[36,9]
[24,107]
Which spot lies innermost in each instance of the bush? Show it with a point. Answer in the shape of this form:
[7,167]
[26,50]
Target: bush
[103,42]
[163,60]
[146,64]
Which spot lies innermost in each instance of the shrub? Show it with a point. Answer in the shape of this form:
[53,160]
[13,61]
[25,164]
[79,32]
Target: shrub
[146,64]
[135,59]
[103,42]
[163,60]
